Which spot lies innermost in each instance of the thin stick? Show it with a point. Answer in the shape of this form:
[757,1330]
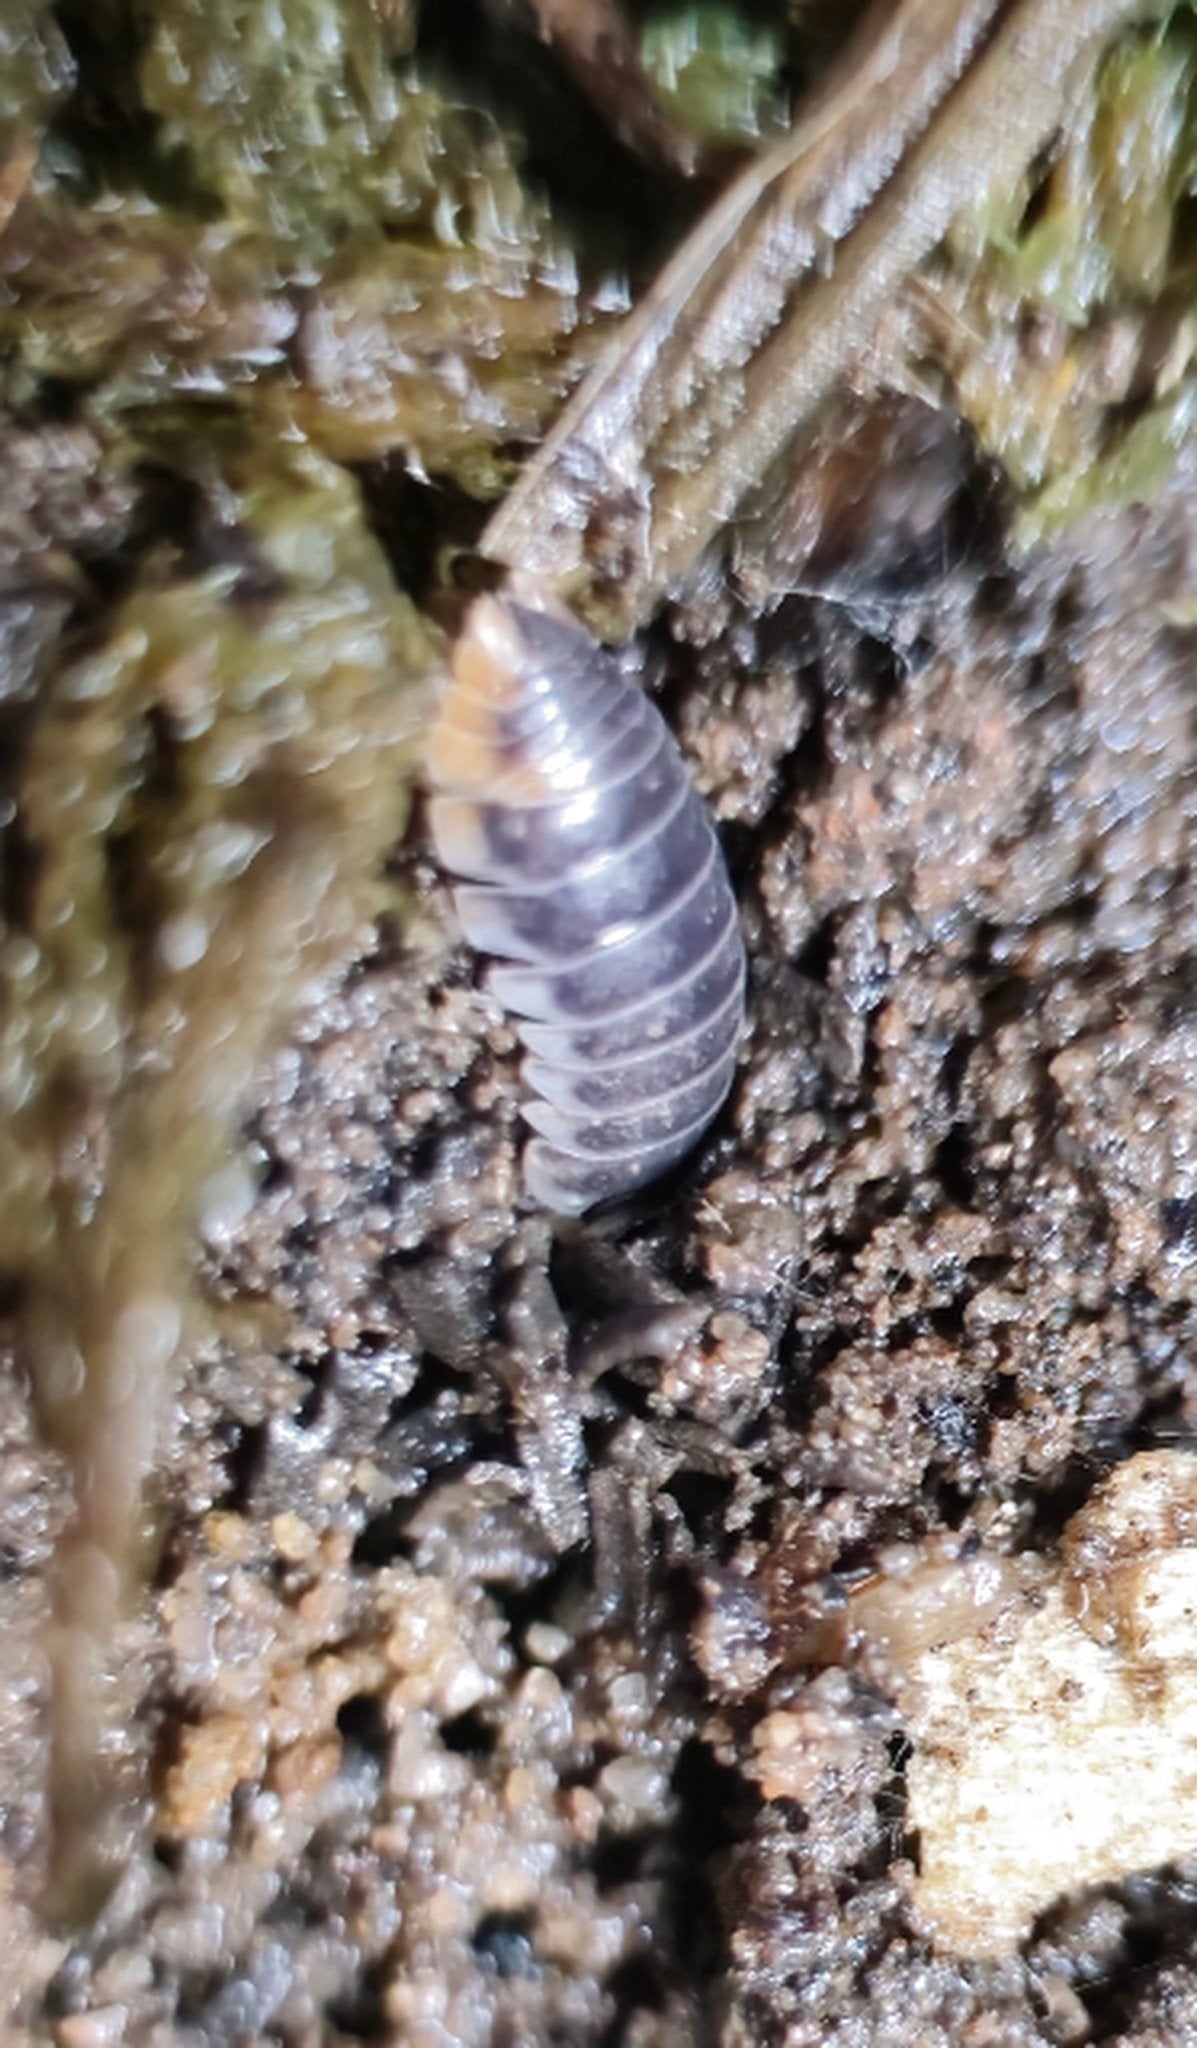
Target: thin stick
[778,291]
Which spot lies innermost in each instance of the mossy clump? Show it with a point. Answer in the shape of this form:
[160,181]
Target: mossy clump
[293,117]
[35,72]
[716,72]
[203,811]
[280,196]
[1080,282]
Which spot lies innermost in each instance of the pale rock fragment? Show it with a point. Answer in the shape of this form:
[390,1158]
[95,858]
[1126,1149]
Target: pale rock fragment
[1056,1747]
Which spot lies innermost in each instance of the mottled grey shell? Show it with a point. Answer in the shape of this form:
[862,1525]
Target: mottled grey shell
[592,870]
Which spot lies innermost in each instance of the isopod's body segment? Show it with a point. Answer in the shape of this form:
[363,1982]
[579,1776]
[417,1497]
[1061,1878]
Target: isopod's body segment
[589,867]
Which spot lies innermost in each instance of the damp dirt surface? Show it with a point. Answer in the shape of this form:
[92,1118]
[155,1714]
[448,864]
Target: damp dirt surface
[494,1684]
[428,1625]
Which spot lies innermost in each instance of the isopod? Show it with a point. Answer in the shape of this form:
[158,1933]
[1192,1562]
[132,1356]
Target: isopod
[590,869]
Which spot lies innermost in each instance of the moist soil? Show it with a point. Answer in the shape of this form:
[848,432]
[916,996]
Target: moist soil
[478,1577]
[451,1571]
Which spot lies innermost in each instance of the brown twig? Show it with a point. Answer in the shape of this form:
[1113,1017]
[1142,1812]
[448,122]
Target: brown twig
[779,290]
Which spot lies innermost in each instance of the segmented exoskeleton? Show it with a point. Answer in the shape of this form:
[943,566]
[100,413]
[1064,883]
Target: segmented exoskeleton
[593,873]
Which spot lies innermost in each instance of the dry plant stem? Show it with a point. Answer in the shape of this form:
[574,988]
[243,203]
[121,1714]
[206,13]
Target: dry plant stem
[777,293]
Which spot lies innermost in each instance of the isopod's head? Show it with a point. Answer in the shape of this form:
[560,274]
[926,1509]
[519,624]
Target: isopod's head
[505,720]
[485,679]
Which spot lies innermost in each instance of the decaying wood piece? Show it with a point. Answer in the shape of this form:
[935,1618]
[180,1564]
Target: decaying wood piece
[778,291]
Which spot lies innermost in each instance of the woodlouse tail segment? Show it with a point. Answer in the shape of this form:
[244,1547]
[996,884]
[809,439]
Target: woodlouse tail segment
[590,868]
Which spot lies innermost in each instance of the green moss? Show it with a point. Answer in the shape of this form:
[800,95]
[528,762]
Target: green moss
[1099,225]
[207,799]
[206,803]
[1060,310]
[442,323]
[716,72]
[1134,470]
[461,362]
[293,114]
[35,70]
[126,304]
